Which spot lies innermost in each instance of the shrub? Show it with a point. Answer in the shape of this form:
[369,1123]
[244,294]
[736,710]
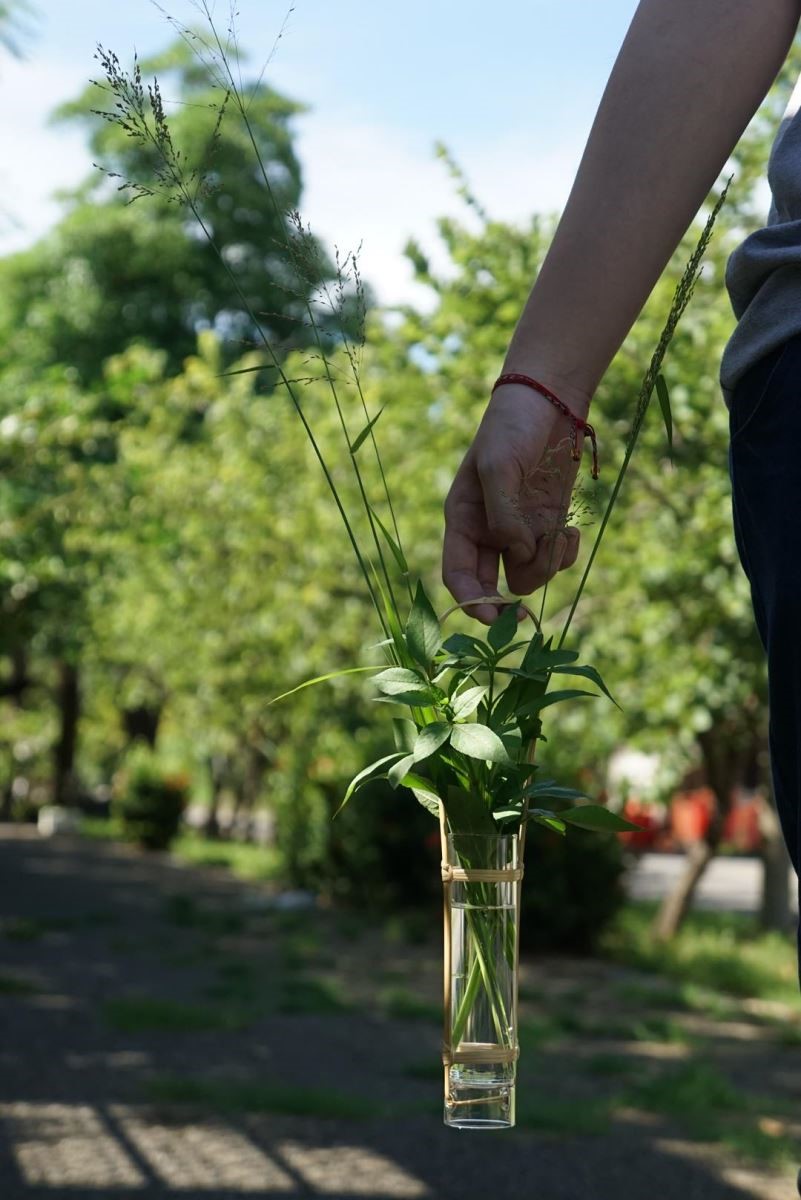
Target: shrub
[148,803]
[572,888]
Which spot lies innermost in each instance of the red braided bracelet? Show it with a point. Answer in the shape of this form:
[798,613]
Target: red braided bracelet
[515,377]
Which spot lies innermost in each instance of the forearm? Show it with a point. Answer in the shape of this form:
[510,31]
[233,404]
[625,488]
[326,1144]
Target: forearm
[688,78]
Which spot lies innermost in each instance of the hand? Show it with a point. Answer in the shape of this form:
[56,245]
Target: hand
[510,497]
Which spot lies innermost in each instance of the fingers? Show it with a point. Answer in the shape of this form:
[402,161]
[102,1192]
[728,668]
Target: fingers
[572,548]
[469,564]
[524,577]
[555,552]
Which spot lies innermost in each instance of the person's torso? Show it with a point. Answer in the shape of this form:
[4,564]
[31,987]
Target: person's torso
[763,274]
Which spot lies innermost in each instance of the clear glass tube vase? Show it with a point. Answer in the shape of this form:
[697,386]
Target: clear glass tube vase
[481,882]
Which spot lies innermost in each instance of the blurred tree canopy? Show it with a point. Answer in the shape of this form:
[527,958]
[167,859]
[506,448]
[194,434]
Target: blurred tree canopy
[114,272]
[170,559]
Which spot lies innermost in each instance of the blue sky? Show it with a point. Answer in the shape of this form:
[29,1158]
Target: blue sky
[511,88]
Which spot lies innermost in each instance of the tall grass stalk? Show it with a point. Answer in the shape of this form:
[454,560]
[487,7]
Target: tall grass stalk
[681,298]
[222,66]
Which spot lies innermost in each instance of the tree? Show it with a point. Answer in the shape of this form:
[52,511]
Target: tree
[111,276]
[113,273]
[13,28]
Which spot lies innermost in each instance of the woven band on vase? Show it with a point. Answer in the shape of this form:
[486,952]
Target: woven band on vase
[451,874]
[480,1052]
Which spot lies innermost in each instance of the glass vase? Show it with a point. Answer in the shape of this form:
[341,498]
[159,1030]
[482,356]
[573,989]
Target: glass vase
[481,881]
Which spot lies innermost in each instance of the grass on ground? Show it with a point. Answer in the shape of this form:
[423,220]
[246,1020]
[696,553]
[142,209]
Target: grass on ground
[715,961]
[233,1095]
[725,952]
[135,1014]
[243,859]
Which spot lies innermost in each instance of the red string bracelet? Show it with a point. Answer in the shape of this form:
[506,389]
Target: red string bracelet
[514,377]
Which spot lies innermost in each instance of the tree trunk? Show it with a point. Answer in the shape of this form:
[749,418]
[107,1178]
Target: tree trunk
[676,904]
[15,686]
[69,705]
[722,756]
[216,764]
[775,911]
[248,793]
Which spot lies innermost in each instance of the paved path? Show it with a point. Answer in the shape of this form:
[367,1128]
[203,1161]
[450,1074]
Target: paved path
[86,929]
[729,883]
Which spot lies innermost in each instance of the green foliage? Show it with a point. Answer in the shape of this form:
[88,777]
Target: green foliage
[164,525]
[718,952]
[148,804]
[573,888]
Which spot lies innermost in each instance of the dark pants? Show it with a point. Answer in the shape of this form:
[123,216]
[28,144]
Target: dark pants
[765,470]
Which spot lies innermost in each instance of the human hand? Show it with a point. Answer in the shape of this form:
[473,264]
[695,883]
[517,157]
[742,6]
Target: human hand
[510,497]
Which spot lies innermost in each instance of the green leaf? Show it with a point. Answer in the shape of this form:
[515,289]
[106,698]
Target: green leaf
[365,433]
[541,702]
[391,616]
[423,635]
[535,646]
[510,649]
[319,679]
[507,812]
[363,776]
[415,699]
[430,738]
[503,628]
[467,702]
[550,790]
[423,792]
[417,693]
[596,816]
[398,679]
[479,741]
[464,645]
[466,812]
[512,739]
[397,553]
[247,371]
[540,657]
[664,404]
[401,768]
[588,673]
[511,698]
[405,734]
[545,818]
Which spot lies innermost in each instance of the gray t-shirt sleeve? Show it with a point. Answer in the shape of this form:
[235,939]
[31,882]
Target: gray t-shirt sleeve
[763,274]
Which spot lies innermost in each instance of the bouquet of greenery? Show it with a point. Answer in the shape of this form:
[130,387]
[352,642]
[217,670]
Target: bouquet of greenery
[465,711]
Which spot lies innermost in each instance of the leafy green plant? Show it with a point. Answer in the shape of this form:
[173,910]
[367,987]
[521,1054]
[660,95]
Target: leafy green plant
[466,711]
[148,804]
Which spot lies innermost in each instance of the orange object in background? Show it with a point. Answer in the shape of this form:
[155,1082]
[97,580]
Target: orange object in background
[641,814]
[741,827]
[691,813]
[688,819]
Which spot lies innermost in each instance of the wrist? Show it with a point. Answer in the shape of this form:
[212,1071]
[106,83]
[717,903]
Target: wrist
[576,398]
[574,413]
